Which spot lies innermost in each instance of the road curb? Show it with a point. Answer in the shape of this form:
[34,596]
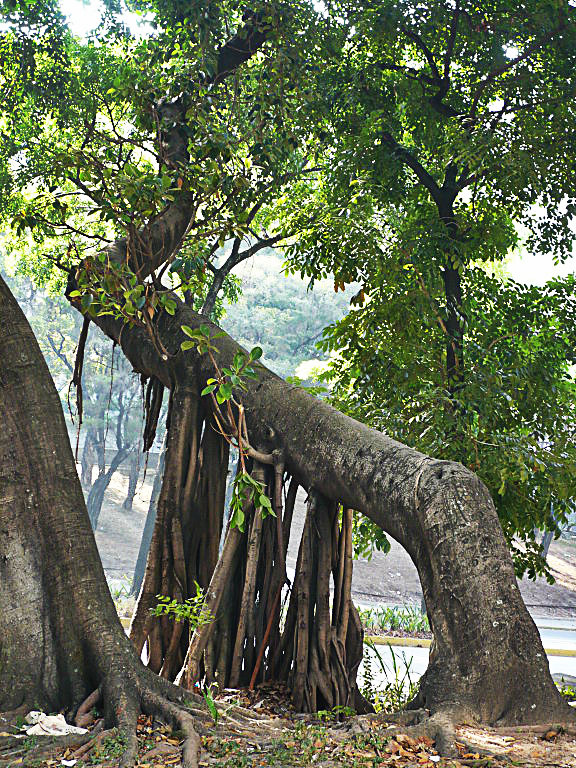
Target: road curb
[424,642]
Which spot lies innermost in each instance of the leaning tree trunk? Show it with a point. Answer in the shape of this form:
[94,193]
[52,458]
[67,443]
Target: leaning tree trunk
[60,636]
[488,661]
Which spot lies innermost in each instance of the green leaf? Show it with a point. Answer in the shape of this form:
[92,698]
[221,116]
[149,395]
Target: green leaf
[225,391]
[256,353]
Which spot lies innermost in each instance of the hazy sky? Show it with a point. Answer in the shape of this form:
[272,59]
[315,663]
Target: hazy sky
[537,269]
[82,16]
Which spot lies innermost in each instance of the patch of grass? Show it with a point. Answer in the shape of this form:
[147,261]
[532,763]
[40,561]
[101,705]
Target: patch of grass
[394,618]
[110,748]
[399,688]
[211,703]
[568,692]
[336,713]
[30,742]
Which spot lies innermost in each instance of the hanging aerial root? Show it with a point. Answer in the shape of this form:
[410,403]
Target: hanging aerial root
[152,407]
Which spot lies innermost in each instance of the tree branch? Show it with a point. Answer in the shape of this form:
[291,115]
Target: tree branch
[451,40]
[235,258]
[496,73]
[58,351]
[242,46]
[155,242]
[429,56]
[408,159]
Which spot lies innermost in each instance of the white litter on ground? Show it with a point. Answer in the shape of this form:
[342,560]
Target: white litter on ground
[41,724]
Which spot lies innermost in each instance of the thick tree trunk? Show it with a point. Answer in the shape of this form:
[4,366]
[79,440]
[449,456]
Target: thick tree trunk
[488,661]
[60,636]
[49,566]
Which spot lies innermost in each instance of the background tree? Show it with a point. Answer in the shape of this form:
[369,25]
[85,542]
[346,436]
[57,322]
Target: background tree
[434,124]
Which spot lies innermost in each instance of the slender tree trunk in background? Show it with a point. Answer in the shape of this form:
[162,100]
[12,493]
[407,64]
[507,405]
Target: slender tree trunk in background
[88,457]
[132,480]
[547,538]
[454,321]
[148,525]
[60,636]
[488,662]
[96,495]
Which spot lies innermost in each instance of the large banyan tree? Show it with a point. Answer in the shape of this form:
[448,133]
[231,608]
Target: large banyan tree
[169,184]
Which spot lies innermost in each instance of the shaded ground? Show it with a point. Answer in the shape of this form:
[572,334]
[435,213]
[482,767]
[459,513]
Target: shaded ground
[270,735]
[390,578]
[265,733]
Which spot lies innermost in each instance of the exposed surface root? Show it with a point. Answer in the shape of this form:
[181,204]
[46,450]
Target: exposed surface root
[84,717]
[405,717]
[416,725]
[141,695]
[539,730]
[243,737]
[466,743]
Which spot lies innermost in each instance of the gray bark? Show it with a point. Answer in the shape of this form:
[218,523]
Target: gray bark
[56,614]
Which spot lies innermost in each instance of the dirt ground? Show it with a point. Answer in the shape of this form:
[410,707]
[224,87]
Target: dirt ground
[390,578]
[258,730]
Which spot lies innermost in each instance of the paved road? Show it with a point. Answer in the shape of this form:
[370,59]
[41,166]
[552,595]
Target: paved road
[413,661]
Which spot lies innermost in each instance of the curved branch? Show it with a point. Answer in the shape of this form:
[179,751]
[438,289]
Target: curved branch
[235,258]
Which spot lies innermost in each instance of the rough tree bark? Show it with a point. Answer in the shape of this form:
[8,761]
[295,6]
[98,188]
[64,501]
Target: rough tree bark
[488,662]
[60,636]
